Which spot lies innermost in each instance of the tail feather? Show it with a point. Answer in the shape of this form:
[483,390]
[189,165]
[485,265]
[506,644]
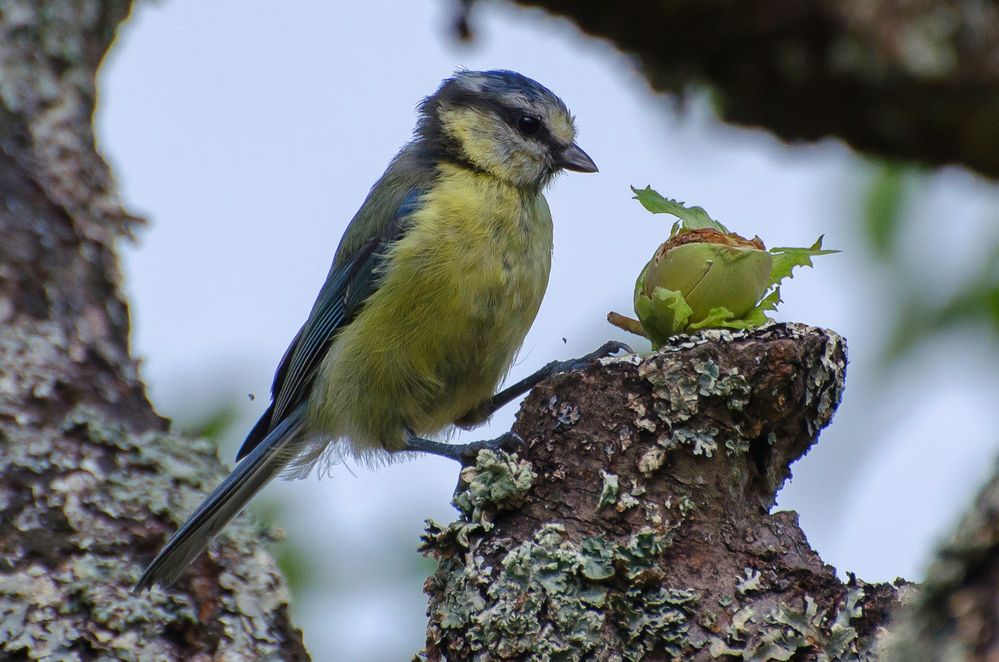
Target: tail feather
[257,434]
[225,502]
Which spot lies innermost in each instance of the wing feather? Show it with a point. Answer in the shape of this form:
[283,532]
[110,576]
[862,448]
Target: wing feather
[351,281]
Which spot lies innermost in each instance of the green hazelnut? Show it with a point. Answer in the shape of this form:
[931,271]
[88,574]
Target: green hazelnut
[696,272]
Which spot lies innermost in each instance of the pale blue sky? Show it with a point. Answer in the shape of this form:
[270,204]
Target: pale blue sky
[248,133]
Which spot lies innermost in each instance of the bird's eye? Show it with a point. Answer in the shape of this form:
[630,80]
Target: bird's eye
[528,125]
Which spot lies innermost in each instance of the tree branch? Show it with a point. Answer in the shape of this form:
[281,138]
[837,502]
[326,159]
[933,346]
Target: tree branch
[914,79]
[641,525]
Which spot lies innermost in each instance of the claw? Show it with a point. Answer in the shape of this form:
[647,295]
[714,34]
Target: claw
[510,442]
[609,348]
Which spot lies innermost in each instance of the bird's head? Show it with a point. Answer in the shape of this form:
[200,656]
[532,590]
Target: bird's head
[502,123]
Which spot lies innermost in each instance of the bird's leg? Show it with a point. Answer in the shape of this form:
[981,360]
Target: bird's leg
[510,441]
[490,406]
[463,453]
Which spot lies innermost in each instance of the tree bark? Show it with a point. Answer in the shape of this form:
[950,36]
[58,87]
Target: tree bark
[90,481]
[904,79]
[639,526]
[956,615]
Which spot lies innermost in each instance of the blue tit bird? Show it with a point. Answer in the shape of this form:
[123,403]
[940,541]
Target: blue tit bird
[433,287]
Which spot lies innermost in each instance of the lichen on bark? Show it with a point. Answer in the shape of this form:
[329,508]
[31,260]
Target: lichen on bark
[646,532]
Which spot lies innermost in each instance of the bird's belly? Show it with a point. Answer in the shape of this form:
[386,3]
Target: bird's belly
[436,337]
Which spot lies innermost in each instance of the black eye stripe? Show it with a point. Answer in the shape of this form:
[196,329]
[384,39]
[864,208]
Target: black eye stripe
[510,115]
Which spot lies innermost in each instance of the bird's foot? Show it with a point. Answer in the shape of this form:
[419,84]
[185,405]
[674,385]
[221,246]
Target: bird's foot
[466,454]
[609,348]
[510,442]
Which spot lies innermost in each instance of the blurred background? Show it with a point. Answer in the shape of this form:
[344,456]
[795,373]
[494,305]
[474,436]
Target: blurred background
[249,132]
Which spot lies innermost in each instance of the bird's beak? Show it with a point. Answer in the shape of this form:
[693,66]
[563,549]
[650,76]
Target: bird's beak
[573,158]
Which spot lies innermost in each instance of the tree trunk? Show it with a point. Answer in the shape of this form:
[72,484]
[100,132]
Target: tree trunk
[640,528]
[904,79]
[90,481]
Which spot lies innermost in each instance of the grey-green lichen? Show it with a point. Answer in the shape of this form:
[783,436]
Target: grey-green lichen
[566,414]
[609,490]
[621,499]
[682,389]
[826,380]
[751,581]
[677,392]
[728,384]
[552,599]
[84,497]
[98,491]
[626,501]
[785,632]
[549,598]
[497,481]
[651,461]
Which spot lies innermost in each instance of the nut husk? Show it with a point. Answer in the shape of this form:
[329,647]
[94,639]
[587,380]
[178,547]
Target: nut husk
[706,269]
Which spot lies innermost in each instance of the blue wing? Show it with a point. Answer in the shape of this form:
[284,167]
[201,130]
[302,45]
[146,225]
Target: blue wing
[349,284]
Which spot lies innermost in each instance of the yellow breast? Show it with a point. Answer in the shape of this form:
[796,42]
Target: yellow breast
[461,290]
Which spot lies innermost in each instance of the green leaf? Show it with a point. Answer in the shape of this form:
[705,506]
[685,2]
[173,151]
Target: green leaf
[787,258]
[664,314]
[758,315]
[691,218]
[724,318]
[716,317]
[769,302]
